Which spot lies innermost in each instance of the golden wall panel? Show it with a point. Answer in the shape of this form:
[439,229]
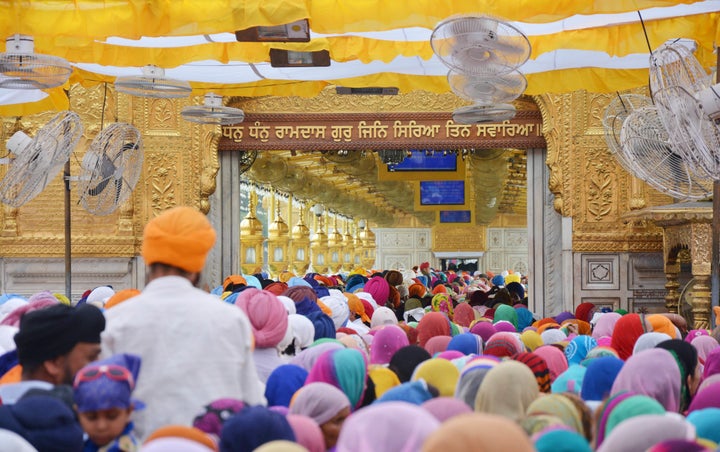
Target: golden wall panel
[179,168]
[459,238]
[588,183]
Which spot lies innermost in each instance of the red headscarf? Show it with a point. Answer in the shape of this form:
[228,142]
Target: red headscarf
[626,332]
[432,324]
[583,310]
[464,315]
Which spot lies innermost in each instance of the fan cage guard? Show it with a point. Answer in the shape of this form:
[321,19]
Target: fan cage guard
[480,45]
[32,71]
[480,114]
[674,65]
[36,165]
[615,115]
[488,89]
[205,114]
[646,146]
[110,168]
[693,135]
[153,83]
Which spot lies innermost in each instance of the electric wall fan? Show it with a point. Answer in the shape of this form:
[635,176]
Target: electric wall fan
[110,168]
[152,83]
[646,146]
[615,114]
[34,162]
[677,81]
[213,112]
[480,44]
[22,68]
[491,89]
[483,54]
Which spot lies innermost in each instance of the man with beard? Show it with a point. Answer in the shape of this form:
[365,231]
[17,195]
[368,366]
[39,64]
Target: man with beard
[53,344]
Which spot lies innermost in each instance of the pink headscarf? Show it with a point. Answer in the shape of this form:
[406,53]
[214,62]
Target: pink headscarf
[307,432]
[504,344]
[306,358]
[554,358]
[605,325]
[437,344]
[654,373]
[378,288]
[387,427]
[444,408]
[267,315]
[386,342]
[704,345]
[319,401]
[38,301]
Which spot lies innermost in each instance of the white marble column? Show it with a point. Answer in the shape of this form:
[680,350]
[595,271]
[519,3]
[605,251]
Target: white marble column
[545,241]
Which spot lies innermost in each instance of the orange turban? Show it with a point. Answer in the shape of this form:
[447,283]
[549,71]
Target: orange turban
[181,237]
[356,306]
[120,296]
[324,280]
[417,291]
[440,288]
[182,431]
[661,324]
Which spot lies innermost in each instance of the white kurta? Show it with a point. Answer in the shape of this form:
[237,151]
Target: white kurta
[194,347]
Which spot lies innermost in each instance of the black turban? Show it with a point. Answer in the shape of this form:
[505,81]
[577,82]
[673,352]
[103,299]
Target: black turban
[54,331]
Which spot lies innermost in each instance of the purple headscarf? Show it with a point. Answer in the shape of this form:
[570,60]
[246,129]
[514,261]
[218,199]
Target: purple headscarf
[306,358]
[483,329]
[708,397]
[654,373]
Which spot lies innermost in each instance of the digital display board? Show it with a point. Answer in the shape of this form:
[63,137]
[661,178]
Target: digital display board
[421,161]
[442,193]
[455,216]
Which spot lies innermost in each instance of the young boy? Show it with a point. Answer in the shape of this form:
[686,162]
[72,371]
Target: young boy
[102,392]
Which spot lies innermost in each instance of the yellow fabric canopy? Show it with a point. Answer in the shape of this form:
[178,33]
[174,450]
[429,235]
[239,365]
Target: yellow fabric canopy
[598,46]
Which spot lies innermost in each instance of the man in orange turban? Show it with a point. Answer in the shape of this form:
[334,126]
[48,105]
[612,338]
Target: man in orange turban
[194,347]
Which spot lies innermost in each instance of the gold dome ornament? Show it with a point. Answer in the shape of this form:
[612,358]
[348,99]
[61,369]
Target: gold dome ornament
[300,244]
[278,241]
[251,238]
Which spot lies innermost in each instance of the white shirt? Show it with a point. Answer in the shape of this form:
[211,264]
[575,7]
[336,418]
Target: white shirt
[195,349]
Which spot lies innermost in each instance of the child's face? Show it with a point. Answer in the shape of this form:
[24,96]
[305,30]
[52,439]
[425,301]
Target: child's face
[103,426]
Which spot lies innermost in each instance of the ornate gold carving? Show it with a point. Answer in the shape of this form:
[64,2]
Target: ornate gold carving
[672,286]
[162,181]
[601,199]
[208,147]
[459,238]
[700,248]
[701,301]
[327,101]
